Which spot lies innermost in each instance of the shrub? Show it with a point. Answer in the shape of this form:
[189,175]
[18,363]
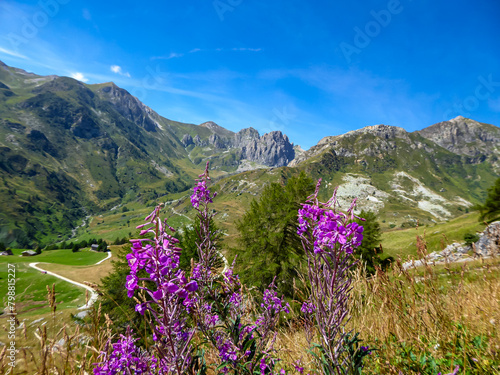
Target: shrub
[471,238]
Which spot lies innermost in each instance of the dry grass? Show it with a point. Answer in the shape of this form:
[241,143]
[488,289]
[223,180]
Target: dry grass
[421,321]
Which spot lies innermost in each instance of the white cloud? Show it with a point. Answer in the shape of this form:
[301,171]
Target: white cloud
[247,49]
[118,70]
[172,55]
[12,53]
[79,76]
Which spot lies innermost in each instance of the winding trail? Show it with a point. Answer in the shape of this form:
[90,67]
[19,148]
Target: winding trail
[93,293]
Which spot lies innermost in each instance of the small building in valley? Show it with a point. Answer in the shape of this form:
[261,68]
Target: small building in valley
[94,247]
[28,253]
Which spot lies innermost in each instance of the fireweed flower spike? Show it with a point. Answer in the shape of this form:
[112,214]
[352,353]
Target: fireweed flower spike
[169,296]
[244,346]
[329,237]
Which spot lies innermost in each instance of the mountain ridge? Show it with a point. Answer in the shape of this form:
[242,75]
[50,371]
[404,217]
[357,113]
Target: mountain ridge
[69,149]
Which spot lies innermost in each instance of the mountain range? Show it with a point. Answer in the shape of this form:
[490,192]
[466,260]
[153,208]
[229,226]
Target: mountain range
[69,149]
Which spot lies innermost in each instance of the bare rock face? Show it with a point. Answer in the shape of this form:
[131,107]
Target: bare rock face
[187,140]
[129,106]
[465,136]
[272,149]
[489,241]
[217,141]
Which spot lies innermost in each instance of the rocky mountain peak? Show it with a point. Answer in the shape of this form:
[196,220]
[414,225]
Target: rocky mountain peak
[272,149]
[129,106]
[464,136]
[212,126]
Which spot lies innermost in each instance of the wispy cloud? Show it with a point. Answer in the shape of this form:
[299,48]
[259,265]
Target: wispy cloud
[79,76]
[247,49]
[174,55]
[118,70]
[12,53]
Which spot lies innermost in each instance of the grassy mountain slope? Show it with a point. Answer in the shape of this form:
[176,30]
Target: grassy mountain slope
[69,150]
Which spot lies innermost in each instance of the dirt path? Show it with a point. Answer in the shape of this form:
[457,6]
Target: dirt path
[93,293]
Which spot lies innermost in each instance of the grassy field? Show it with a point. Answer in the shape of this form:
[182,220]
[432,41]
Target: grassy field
[31,285]
[403,242]
[83,257]
[31,291]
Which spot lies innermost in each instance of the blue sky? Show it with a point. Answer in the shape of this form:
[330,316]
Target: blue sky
[309,69]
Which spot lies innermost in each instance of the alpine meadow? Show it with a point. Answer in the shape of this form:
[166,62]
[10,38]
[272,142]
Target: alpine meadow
[249,188]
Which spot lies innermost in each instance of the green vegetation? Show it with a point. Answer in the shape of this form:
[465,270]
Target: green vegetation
[269,246]
[402,242]
[31,291]
[81,258]
[371,248]
[490,210]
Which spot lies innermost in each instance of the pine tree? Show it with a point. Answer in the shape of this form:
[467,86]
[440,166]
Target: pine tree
[269,246]
[490,210]
[370,249]
[188,240]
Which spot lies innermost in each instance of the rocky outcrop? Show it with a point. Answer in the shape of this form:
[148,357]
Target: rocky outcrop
[187,140]
[245,136]
[272,149]
[129,107]
[487,246]
[489,241]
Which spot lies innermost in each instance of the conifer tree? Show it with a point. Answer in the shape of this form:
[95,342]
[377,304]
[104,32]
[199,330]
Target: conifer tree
[490,210]
[269,245]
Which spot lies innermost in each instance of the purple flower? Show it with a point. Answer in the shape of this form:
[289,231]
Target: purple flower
[171,287]
[182,293]
[141,308]
[308,308]
[263,365]
[158,294]
[131,285]
[192,286]
[329,238]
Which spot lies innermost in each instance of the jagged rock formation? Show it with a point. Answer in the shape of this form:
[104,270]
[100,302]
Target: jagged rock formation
[187,140]
[272,149]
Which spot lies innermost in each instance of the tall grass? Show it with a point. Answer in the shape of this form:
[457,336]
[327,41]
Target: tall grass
[418,321]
